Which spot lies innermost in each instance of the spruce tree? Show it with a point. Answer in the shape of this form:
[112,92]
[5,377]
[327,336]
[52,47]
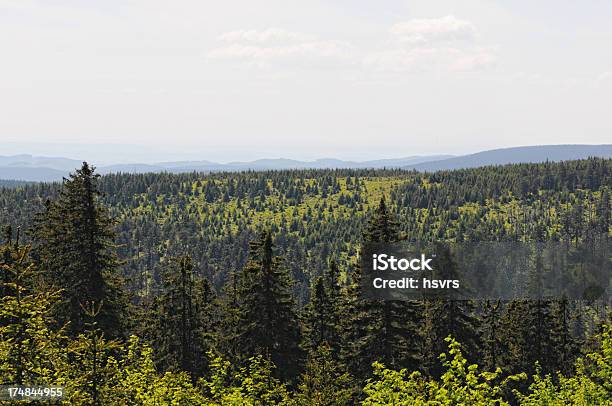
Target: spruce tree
[447,317]
[267,322]
[514,353]
[491,337]
[227,319]
[384,331]
[322,316]
[74,245]
[565,344]
[183,331]
[530,327]
[528,334]
[317,320]
[358,352]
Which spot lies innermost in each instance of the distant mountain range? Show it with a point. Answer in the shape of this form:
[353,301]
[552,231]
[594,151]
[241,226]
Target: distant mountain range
[267,164]
[504,156]
[47,169]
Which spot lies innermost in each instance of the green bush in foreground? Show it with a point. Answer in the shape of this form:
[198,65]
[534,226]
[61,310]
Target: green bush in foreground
[463,384]
[591,385]
[460,384]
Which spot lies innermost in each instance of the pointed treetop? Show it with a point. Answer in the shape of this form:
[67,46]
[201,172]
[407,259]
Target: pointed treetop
[86,169]
[382,227]
[382,206]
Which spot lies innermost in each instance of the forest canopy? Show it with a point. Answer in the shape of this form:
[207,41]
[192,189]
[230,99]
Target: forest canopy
[244,288]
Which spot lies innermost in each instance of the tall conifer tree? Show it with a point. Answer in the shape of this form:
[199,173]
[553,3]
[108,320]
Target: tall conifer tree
[74,244]
[384,331]
[267,322]
[184,328]
[322,316]
[447,316]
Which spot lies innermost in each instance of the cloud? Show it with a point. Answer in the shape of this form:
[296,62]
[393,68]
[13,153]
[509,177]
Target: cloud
[605,79]
[434,30]
[473,60]
[399,60]
[252,52]
[430,59]
[266,36]
[420,45]
[436,44]
[277,46]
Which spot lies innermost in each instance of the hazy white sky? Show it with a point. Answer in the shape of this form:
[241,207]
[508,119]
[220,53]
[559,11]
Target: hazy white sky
[305,79]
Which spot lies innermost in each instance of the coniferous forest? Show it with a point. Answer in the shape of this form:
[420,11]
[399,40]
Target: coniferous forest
[244,288]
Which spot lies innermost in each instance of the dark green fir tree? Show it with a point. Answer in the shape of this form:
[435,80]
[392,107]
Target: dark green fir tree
[379,330]
[183,332]
[74,245]
[322,316]
[446,316]
[267,321]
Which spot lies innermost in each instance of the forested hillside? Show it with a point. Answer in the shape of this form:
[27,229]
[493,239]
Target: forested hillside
[11,183]
[243,288]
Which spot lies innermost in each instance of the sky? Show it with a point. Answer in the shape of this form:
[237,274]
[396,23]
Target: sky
[351,79]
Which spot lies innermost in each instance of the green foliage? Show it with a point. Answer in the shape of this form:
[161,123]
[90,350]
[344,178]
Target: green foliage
[90,367]
[62,321]
[459,384]
[137,382]
[30,349]
[320,214]
[591,384]
[390,387]
[122,374]
[254,384]
[324,383]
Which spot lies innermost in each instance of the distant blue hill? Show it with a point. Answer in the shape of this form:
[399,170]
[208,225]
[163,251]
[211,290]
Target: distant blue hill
[504,156]
[48,169]
[11,184]
[29,161]
[45,169]
[32,174]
